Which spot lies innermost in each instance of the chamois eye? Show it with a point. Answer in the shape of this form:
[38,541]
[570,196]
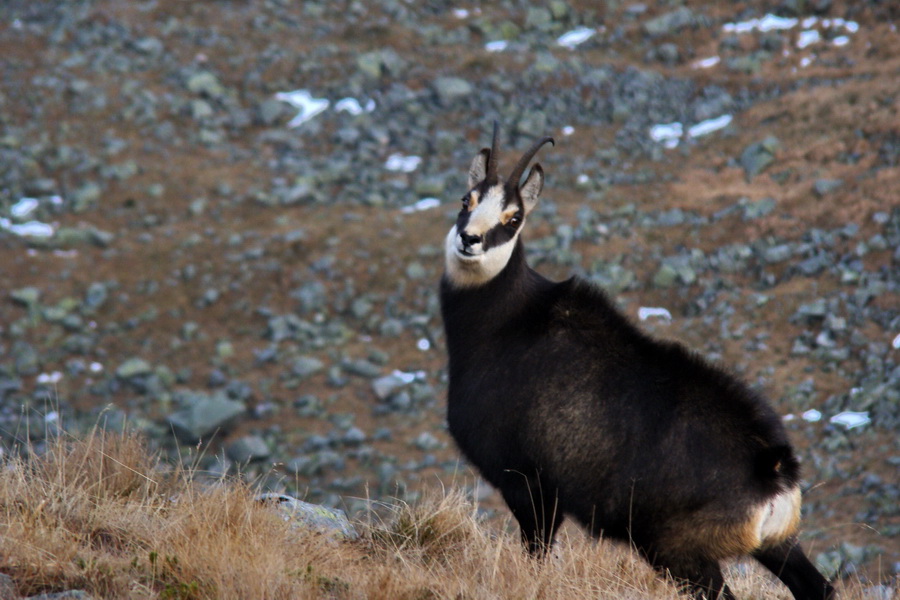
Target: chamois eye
[465,202]
[515,220]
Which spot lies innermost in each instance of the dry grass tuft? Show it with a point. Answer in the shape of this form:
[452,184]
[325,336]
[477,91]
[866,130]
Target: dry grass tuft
[100,514]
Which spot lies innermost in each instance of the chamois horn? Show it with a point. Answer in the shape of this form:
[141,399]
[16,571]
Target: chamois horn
[495,152]
[526,158]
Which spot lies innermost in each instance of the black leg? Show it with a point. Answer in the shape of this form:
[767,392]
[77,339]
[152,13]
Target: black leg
[536,511]
[704,578]
[788,562]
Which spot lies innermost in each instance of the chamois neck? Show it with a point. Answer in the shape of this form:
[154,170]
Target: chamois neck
[493,303]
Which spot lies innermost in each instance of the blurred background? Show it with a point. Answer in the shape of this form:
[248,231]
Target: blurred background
[221,223]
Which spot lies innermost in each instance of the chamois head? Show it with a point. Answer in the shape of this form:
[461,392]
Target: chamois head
[493,211]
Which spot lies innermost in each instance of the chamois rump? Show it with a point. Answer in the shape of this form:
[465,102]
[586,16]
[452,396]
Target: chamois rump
[568,409]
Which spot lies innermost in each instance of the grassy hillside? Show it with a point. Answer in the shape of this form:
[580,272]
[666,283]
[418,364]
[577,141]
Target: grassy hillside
[100,514]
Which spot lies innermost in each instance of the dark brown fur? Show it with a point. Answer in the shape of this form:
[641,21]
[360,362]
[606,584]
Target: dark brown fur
[570,410]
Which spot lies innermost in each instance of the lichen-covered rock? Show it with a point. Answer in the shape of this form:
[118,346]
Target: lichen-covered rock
[332,522]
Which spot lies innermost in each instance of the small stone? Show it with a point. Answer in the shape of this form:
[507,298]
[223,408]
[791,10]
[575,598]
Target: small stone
[149,45]
[665,276]
[362,368]
[415,270]
[538,18]
[269,112]
[759,155]
[380,63]
[66,595]
[134,367]
[306,366]
[385,387]
[823,187]
[95,296]
[427,442]
[757,210]
[354,436]
[205,83]
[205,415]
[7,587]
[26,359]
[450,89]
[247,449]
[817,309]
[776,254]
[391,327]
[667,54]
[333,522]
[26,296]
[200,109]
[669,22]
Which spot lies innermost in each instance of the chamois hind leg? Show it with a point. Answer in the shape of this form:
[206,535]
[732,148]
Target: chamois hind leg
[703,577]
[788,562]
[536,511]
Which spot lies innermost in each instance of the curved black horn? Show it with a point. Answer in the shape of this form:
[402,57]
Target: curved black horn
[492,159]
[526,158]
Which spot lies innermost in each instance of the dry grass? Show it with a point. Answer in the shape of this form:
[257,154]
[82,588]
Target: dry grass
[101,515]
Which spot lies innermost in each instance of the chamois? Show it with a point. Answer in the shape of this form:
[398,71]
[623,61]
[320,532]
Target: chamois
[568,409]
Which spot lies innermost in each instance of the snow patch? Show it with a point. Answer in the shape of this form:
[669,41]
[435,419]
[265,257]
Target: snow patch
[851,419]
[423,204]
[308,106]
[573,38]
[646,312]
[405,164]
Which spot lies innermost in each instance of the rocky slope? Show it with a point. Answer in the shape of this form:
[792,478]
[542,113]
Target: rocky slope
[249,275]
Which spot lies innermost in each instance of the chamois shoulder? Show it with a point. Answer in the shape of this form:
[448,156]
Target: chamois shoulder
[579,304]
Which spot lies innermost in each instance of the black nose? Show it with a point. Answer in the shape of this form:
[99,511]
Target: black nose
[470,240]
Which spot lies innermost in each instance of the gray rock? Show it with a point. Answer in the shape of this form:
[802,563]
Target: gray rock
[206,84]
[149,45]
[9,385]
[777,254]
[667,54]
[85,196]
[380,63]
[329,521]
[26,359]
[817,309]
[415,270]
[204,416]
[26,296]
[7,587]
[353,436]
[670,22]
[823,187]
[387,386]
[538,17]
[95,296]
[362,368]
[67,595]
[269,112]
[757,210]
[449,89]
[134,367]
[306,366]
[665,276]
[759,155]
[746,63]
[427,442]
[247,449]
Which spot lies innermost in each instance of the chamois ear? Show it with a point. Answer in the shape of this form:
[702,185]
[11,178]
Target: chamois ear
[478,169]
[532,187]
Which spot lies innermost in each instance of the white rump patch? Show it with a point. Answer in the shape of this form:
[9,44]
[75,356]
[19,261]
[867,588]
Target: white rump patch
[777,519]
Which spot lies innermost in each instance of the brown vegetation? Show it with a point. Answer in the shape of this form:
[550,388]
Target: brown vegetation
[102,515]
